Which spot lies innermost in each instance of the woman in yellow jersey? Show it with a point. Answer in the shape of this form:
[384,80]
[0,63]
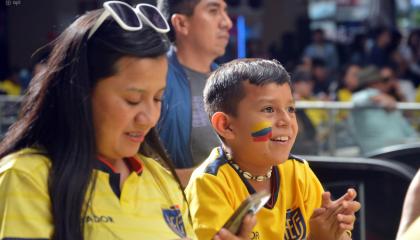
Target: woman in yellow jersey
[80,161]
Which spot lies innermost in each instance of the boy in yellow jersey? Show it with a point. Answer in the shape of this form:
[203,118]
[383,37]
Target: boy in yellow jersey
[251,107]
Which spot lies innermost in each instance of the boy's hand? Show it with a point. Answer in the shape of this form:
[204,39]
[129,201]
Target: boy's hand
[334,218]
[247,225]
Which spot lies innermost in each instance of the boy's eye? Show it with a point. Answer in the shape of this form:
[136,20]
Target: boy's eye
[291,109]
[268,109]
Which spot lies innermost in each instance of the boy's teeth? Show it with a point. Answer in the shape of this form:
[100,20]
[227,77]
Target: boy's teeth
[133,134]
[282,138]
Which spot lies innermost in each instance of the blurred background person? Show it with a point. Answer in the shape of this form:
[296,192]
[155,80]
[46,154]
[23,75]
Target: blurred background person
[322,49]
[306,141]
[376,121]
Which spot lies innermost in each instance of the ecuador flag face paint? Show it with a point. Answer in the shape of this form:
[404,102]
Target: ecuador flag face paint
[261,132]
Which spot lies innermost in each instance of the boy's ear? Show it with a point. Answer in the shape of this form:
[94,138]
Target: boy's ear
[180,23]
[221,124]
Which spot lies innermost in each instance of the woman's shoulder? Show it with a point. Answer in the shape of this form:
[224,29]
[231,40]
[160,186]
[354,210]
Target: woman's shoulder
[154,166]
[27,160]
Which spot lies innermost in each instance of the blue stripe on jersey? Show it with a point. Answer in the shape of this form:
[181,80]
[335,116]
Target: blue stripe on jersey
[213,167]
[294,157]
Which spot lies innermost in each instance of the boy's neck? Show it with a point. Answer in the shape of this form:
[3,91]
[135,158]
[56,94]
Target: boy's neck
[245,165]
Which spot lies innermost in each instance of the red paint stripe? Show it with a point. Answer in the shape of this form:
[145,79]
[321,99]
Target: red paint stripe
[263,138]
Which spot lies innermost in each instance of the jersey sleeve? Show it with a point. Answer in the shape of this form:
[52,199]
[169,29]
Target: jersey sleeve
[209,205]
[24,207]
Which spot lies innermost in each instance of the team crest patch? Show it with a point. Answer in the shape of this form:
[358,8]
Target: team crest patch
[295,225]
[173,218]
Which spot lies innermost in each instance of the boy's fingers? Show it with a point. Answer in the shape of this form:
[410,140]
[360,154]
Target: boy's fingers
[318,212]
[326,200]
[333,212]
[345,227]
[224,234]
[352,207]
[350,195]
[247,225]
[346,219]
[216,237]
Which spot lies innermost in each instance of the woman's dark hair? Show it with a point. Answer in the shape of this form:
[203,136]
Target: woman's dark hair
[224,88]
[56,115]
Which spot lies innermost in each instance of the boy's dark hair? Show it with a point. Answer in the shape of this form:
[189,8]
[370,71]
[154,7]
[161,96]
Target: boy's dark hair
[224,88]
[170,7]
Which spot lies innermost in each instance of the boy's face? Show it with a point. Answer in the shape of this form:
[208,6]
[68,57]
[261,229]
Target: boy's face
[265,127]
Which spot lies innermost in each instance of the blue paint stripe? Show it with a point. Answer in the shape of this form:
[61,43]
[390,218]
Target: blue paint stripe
[262,132]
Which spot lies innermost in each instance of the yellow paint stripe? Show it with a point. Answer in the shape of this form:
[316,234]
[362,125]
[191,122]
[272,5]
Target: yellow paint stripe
[261,125]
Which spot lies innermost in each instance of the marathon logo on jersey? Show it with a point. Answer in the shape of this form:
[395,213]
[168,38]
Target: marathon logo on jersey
[295,225]
[173,218]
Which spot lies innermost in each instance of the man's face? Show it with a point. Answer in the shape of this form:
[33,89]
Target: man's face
[208,27]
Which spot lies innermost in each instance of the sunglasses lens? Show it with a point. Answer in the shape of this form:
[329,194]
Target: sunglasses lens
[154,16]
[126,14]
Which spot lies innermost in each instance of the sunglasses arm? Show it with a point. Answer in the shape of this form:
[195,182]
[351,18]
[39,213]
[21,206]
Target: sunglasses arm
[98,23]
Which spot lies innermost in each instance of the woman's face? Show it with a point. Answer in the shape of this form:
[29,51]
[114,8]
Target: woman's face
[127,105]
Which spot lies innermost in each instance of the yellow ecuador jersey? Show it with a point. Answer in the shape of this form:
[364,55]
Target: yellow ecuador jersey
[149,205]
[216,189]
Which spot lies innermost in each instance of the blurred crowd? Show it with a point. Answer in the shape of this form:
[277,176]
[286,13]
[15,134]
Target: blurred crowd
[334,66]
[382,67]
[325,70]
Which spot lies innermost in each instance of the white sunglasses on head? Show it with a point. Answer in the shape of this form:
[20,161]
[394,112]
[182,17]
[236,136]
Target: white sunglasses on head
[130,18]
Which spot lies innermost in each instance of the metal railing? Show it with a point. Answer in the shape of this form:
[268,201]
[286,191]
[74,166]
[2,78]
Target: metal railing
[333,108]
[10,105]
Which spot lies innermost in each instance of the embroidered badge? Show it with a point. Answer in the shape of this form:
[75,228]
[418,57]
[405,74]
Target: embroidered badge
[295,225]
[173,218]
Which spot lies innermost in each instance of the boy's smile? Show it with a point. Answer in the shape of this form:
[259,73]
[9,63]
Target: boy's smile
[264,127]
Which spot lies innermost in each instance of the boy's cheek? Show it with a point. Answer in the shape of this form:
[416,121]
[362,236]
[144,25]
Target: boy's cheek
[261,131]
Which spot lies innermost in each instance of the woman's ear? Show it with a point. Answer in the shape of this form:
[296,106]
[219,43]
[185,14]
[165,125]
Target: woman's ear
[221,124]
[180,23]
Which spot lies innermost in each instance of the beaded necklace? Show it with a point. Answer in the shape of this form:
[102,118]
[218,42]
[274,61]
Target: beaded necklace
[248,175]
